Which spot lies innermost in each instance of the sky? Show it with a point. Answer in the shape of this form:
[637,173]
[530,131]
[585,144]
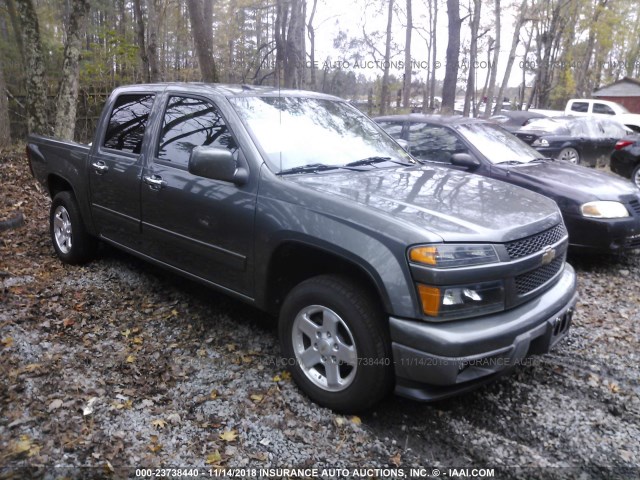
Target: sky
[350,16]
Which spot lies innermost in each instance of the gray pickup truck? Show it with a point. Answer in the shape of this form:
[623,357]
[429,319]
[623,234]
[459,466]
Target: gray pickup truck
[383,272]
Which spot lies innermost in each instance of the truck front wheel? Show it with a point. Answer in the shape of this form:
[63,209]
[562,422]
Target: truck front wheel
[70,239]
[335,344]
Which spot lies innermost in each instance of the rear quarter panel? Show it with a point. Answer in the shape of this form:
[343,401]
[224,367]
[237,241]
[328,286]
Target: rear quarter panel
[67,161]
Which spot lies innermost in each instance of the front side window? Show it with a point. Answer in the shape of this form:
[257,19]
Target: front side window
[582,107]
[434,142]
[188,123]
[392,128]
[128,122]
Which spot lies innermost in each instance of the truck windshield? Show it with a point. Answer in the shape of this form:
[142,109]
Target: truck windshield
[296,132]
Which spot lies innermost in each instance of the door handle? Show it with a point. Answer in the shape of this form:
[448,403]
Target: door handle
[100,167]
[155,182]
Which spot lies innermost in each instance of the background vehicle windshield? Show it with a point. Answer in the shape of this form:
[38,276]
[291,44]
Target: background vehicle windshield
[498,145]
[547,125]
[299,131]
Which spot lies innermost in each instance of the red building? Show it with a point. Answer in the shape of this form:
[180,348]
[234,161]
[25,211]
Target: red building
[626,92]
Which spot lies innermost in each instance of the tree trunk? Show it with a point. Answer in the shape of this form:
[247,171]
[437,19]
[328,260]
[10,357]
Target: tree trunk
[5,131]
[470,95]
[453,52]
[583,88]
[512,52]
[67,98]
[494,65]
[152,47]
[312,45]
[434,51]
[294,55]
[384,95]
[34,67]
[142,42]
[201,27]
[406,89]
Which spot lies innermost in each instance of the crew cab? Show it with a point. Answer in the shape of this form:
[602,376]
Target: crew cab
[383,272]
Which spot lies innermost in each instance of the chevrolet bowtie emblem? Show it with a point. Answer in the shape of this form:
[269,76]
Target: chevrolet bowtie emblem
[548,255]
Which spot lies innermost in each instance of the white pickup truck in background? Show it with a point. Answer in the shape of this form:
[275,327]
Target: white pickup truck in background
[592,106]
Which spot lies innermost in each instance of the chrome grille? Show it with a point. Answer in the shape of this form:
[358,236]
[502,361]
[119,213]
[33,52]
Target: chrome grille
[535,243]
[529,281]
[635,206]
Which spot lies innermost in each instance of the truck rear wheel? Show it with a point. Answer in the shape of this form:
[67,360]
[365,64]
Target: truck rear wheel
[335,344]
[70,239]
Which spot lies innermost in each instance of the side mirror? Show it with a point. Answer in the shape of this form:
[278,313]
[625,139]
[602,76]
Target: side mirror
[217,164]
[464,160]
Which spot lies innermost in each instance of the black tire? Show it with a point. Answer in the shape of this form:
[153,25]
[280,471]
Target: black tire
[635,176]
[69,236]
[357,356]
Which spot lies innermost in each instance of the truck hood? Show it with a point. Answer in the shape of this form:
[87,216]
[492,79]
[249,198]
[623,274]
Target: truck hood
[454,205]
[569,183]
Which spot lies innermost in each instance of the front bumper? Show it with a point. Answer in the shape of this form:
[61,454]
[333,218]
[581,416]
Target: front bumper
[434,361]
[603,235]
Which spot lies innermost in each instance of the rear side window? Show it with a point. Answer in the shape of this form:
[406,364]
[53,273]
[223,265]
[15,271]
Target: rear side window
[189,123]
[128,122]
[602,108]
[580,107]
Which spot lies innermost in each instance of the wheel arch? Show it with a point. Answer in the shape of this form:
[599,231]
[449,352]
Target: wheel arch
[293,262]
[57,183]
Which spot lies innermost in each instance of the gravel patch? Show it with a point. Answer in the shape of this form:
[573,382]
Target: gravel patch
[118,365]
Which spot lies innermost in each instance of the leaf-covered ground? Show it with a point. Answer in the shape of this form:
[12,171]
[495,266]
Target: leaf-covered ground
[118,365]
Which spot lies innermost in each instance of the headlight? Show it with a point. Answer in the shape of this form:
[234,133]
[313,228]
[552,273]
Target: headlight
[604,209]
[540,142]
[451,256]
[461,301]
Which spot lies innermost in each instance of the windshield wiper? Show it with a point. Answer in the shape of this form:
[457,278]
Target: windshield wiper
[372,160]
[310,168]
[510,162]
[542,160]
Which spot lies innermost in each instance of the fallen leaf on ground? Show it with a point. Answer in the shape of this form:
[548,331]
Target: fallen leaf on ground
[159,423]
[229,435]
[213,458]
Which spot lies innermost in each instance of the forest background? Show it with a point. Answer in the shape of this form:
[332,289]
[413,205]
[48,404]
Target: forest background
[60,59]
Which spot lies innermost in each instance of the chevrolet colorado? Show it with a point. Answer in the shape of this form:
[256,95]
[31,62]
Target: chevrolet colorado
[384,273]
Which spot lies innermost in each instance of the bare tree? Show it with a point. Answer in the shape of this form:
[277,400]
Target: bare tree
[34,67]
[201,16]
[453,52]
[494,63]
[289,39]
[152,45]
[312,44]
[470,95]
[406,88]
[67,98]
[433,13]
[512,53]
[384,95]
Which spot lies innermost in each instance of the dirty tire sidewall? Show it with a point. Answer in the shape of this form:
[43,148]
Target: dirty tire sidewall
[366,321]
